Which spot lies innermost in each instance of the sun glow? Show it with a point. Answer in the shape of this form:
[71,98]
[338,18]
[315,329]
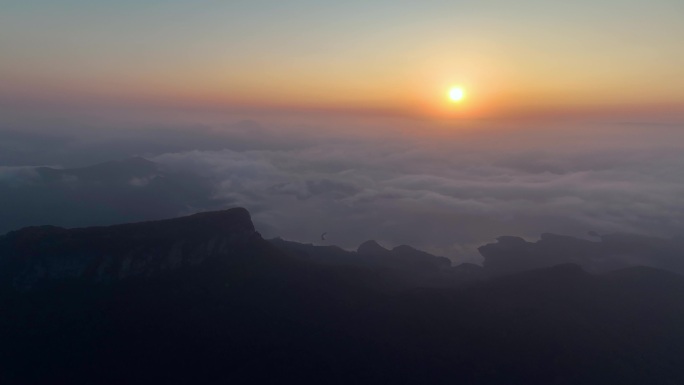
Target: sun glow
[456,94]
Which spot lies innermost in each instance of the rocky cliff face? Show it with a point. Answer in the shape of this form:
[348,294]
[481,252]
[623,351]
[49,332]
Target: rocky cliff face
[37,254]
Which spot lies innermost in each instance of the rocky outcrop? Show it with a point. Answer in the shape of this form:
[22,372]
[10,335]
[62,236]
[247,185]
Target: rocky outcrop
[402,257]
[371,248]
[37,254]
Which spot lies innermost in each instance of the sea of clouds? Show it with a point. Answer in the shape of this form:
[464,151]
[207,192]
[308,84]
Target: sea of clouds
[444,190]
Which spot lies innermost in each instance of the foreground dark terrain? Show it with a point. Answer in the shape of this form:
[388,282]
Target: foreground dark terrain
[205,300]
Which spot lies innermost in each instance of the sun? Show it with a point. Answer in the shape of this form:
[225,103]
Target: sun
[456,94]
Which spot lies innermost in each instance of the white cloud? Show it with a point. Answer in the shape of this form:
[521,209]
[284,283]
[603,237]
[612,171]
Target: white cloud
[445,198]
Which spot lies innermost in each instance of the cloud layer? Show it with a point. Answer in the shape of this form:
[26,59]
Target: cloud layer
[447,197]
[446,191]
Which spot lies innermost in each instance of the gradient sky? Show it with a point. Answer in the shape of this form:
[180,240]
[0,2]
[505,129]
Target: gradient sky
[383,56]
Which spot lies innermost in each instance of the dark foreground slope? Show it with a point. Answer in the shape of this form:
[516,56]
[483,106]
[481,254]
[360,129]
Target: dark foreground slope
[256,314]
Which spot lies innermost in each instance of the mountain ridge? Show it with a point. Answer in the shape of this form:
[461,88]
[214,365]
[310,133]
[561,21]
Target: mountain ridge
[34,254]
[264,311]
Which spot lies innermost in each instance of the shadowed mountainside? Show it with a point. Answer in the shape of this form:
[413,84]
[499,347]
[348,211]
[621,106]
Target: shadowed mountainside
[260,312]
[404,263]
[369,254]
[34,255]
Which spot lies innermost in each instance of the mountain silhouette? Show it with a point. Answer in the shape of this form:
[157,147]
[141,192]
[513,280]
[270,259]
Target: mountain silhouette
[372,248]
[206,300]
[122,170]
[33,255]
[612,251]
[129,190]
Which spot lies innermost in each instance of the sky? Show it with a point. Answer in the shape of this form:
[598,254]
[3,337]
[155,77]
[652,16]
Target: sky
[332,116]
[387,58]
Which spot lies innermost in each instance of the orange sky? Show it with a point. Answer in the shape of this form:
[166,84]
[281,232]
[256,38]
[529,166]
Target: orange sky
[385,58]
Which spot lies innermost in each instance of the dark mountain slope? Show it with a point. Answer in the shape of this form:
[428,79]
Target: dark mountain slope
[36,254]
[402,264]
[259,314]
[368,254]
[559,325]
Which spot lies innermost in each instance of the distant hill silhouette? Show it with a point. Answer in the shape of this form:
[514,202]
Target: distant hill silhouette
[369,254]
[129,190]
[615,251]
[402,263]
[123,171]
[206,300]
